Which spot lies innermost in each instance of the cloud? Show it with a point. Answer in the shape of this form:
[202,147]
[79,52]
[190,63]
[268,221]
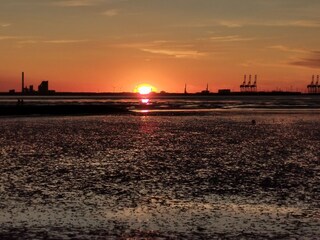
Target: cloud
[5,25]
[111,13]
[232,38]
[240,23]
[230,24]
[76,3]
[64,41]
[269,23]
[8,37]
[31,41]
[28,42]
[40,40]
[292,23]
[288,49]
[310,62]
[175,53]
[168,48]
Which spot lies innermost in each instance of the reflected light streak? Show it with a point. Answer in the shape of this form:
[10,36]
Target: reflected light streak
[145,100]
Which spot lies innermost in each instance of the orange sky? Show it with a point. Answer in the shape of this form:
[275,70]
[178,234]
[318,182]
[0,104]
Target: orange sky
[114,45]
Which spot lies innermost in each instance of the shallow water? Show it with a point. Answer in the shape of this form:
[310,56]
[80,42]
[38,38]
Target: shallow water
[165,102]
[213,175]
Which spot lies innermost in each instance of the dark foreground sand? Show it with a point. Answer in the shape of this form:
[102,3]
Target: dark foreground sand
[199,176]
[60,109]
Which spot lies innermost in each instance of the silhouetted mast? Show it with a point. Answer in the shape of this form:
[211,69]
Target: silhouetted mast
[185,89]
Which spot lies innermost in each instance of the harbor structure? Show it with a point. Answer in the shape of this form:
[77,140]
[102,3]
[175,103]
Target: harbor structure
[254,87]
[249,86]
[314,86]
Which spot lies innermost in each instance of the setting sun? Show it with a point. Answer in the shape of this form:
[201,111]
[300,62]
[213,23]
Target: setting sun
[144,89]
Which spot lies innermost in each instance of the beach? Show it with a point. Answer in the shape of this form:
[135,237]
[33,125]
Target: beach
[159,120]
[201,175]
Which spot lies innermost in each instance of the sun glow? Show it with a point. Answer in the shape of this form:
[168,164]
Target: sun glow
[144,89]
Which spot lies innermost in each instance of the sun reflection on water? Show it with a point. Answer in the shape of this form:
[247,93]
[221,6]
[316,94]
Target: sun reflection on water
[145,100]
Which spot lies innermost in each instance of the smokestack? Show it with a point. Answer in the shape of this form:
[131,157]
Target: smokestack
[22,87]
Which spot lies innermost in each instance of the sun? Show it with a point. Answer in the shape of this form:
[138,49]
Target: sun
[144,89]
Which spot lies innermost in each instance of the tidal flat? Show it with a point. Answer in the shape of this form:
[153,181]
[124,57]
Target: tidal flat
[212,175]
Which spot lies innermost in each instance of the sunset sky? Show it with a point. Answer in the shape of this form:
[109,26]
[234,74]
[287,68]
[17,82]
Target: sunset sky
[114,45]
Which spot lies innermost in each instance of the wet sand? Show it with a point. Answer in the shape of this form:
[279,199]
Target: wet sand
[205,176]
[60,109]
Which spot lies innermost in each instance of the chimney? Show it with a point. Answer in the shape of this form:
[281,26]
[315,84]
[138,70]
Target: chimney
[22,87]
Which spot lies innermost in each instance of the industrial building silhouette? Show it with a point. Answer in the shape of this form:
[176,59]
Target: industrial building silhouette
[43,88]
[249,85]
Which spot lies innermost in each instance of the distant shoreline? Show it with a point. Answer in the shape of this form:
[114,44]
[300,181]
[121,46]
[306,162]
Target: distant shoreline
[173,104]
[137,95]
[91,109]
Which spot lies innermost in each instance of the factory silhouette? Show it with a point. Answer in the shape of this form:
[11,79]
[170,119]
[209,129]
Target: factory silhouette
[249,86]
[43,88]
